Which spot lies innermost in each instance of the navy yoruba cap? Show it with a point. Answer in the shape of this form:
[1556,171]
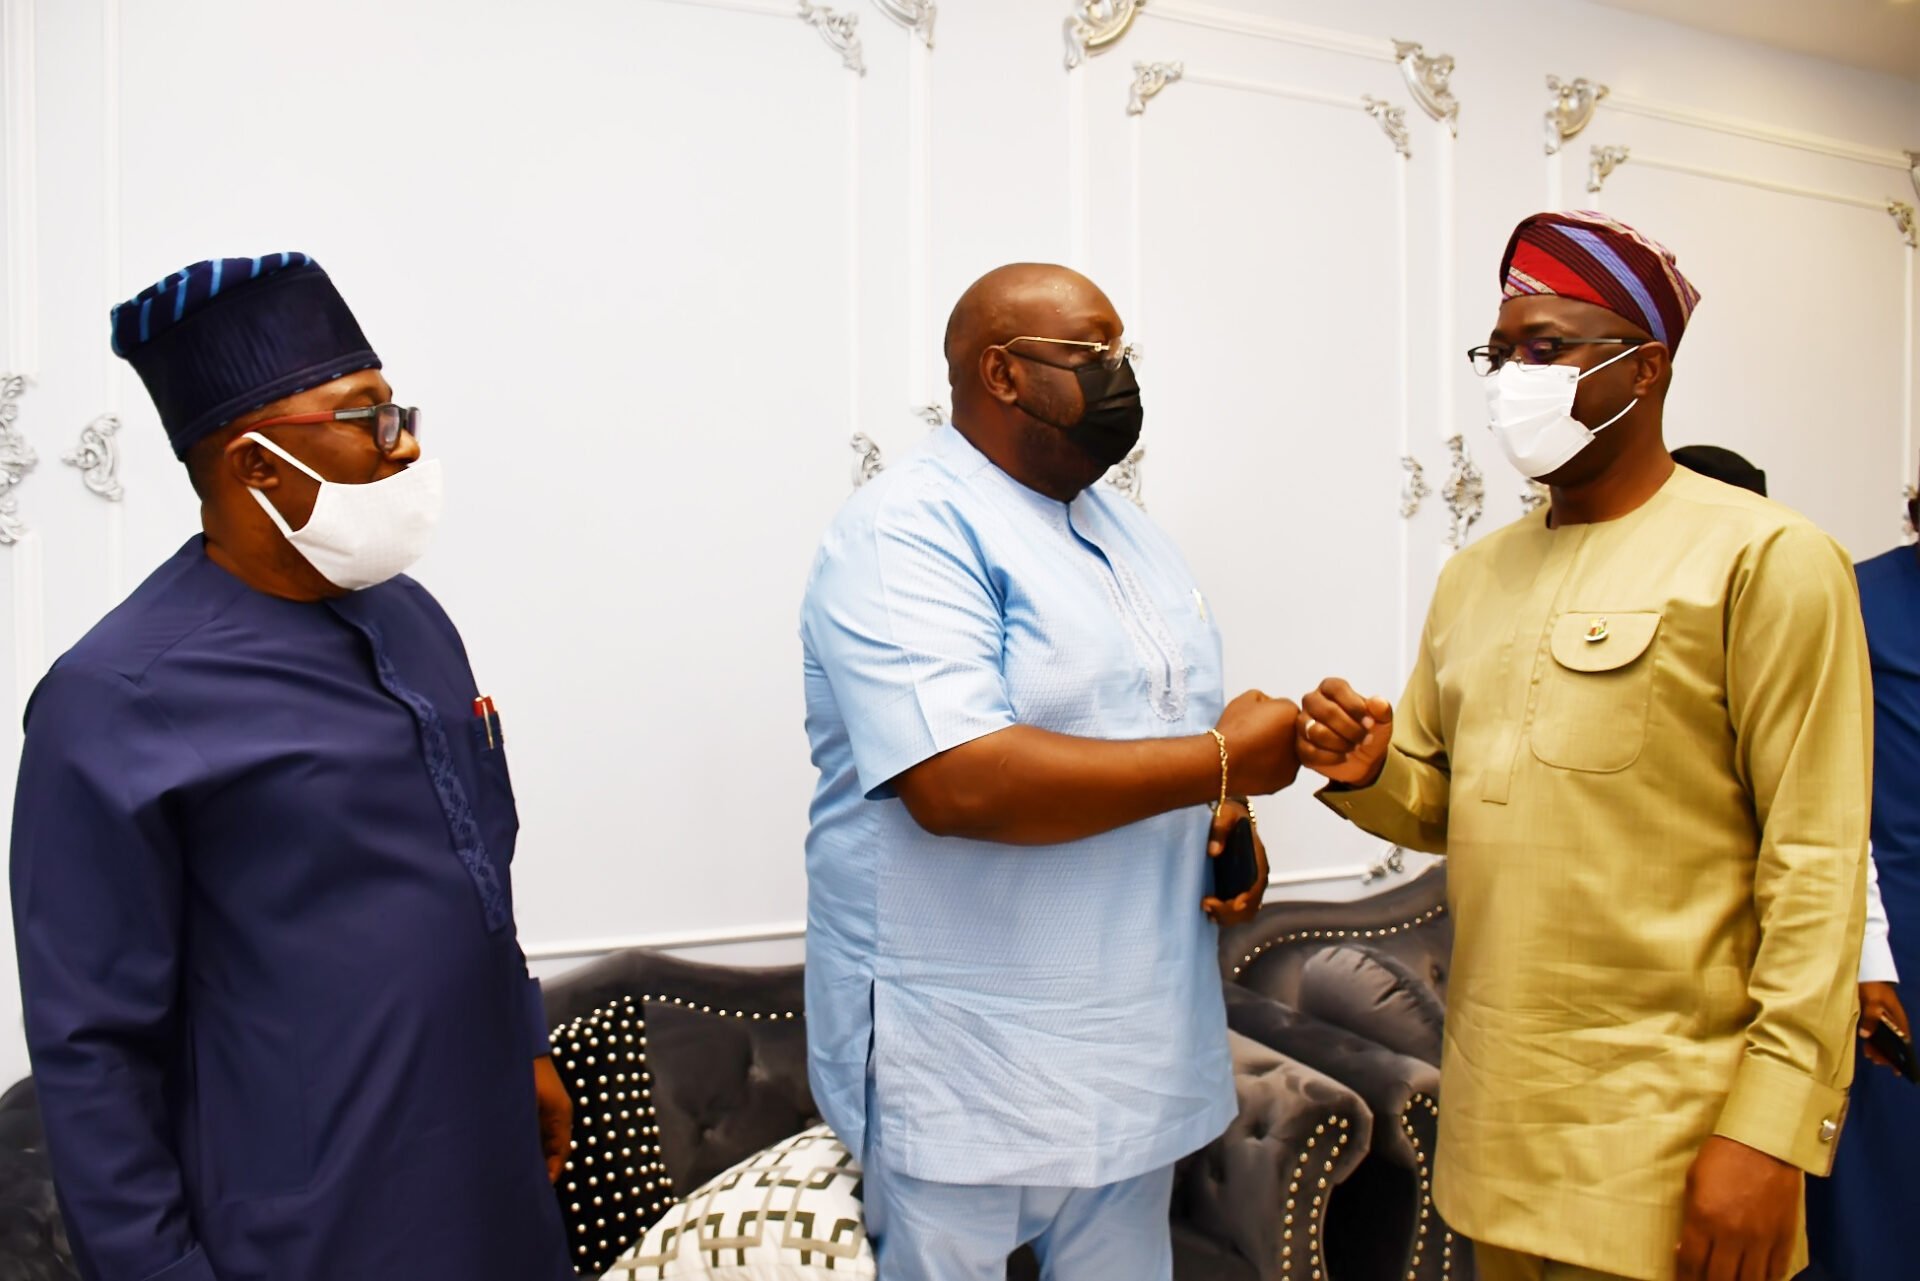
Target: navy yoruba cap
[221,338]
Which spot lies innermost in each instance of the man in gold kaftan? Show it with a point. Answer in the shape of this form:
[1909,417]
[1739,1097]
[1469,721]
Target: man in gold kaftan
[1640,727]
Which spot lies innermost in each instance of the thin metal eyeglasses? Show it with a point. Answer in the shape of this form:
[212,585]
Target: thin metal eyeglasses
[1107,354]
[1536,351]
[383,422]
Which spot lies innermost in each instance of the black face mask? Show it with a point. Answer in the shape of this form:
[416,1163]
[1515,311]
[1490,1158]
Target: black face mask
[1109,426]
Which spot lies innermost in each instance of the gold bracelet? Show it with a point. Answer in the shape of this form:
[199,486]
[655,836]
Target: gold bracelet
[1221,739]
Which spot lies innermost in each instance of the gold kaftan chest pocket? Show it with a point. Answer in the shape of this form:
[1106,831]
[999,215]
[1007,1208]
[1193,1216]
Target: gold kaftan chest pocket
[1594,696]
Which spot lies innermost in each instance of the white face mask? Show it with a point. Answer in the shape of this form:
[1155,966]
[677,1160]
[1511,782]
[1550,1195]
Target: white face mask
[360,535]
[1530,408]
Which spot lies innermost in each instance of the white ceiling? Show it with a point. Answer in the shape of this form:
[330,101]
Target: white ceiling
[1881,35]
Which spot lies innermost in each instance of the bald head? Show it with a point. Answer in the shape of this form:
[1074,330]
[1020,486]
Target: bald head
[1022,404]
[1022,298]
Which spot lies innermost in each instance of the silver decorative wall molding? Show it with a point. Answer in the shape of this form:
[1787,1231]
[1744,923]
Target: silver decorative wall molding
[1465,492]
[869,463]
[98,458]
[841,31]
[1603,161]
[1095,25]
[1427,76]
[1149,78]
[1903,220]
[1125,477]
[17,458]
[1392,121]
[1574,103]
[1606,159]
[1392,863]
[915,15]
[1535,496]
[934,415]
[1414,490]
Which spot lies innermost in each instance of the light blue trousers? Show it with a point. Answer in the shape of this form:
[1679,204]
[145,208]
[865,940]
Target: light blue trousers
[923,1231]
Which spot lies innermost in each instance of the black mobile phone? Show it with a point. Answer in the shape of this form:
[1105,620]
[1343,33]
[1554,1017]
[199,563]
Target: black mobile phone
[1235,868]
[1897,1049]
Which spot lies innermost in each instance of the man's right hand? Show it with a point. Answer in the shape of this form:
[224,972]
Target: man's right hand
[1260,733]
[1880,1003]
[1342,735]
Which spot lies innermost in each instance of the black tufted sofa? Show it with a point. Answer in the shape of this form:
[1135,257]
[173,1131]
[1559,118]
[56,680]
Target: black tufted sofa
[1382,1222]
[1324,1176]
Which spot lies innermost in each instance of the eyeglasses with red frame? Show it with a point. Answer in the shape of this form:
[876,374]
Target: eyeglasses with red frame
[383,422]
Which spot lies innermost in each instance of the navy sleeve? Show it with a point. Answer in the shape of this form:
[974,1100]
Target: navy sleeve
[97,880]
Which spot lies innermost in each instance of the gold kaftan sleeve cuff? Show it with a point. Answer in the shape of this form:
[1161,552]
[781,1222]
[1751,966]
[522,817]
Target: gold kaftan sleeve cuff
[1395,806]
[1785,1113]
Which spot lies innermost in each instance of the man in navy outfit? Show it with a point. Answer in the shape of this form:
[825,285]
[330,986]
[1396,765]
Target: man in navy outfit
[281,1026]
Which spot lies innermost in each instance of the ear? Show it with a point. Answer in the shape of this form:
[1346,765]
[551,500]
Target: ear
[1652,362]
[996,375]
[251,465]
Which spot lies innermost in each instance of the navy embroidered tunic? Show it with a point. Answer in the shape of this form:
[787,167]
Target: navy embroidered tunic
[280,1022]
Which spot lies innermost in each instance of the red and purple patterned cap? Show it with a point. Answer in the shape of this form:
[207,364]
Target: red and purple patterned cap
[1586,255]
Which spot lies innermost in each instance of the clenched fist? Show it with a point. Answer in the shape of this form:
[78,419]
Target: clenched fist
[1342,735]
[1260,735]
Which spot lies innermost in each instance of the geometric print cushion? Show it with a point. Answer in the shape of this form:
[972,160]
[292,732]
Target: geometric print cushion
[615,1182]
[790,1213]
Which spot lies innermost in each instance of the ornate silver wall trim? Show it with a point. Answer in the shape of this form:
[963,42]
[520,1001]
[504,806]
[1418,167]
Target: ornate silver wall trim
[934,415]
[1392,863]
[1149,78]
[841,31]
[16,458]
[1414,490]
[1573,106]
[1095,25]
[915,15]
[1427,76]
[1535,496]
[1125,477]
[1604,160]
[869,464]
[98,458]
[1392,121]
[1465,492]
[1903,219]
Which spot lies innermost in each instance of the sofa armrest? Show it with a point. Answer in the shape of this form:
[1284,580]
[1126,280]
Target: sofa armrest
[1261,1190]
[1401,1092]
[1388,1083]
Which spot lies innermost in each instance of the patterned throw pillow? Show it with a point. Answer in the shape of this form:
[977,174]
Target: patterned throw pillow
[615,1182]
[790,1213]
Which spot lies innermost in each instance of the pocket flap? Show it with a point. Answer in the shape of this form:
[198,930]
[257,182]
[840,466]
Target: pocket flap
[1600,641]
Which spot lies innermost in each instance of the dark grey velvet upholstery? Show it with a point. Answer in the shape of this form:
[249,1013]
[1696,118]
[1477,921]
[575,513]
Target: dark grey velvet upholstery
[1384,1224]
[1371,993]
[1408,922]
[33,1243]
[726,1048]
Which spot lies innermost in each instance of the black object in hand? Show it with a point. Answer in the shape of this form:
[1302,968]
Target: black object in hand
[1235,868]
[1897,1049]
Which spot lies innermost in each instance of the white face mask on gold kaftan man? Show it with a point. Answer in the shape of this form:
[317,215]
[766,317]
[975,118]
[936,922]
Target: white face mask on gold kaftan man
[1530,409]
